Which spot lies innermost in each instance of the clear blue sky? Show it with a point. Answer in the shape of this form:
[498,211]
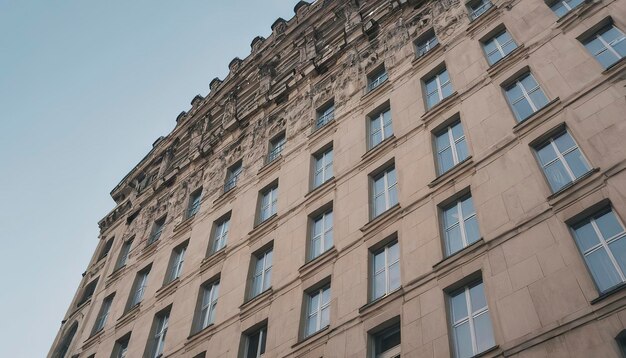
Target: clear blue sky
[85,88]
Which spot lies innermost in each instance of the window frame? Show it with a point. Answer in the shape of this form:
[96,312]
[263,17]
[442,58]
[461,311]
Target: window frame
[124,254]
[325,114]
[435,76]
[493,37]
[379,117]
[159,333]
[596,32]
[157,230]
[377,335]
[139,287]
[516,81]
[384,249]
[177,260]
[261,256]
[232,175]
[103,314]
[377,77]
[309,296]
[383,174]
[194,202]
[120,348]
[320,216]
[261,331]
[456,202]
[563,4]
[219,235]
[424,41]
[275,147]
[205,314]
[484,6]
[327,169]
[447,129]
[270,191]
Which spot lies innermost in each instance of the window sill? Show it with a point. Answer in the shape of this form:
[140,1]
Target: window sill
[167,289]
[256,301]
[464,252]
[379,89]
[117,273]
[323,131]
[390,215]
[382,147]
[440,107]
[616,67]
[93,339]
[508,61]
[185,224]
[148,250]
[482,20]
[493,352]
[226,196]
[453,172]
[199,336]
[320,190]
[574,190]
[535,119]
[271,166]
[608,293]
[322,333]
[426,58]
[375,305]
[312,266]
[263,227]
[128,316]
[211,260]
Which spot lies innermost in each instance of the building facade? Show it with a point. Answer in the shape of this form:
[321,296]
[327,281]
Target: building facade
[379,179]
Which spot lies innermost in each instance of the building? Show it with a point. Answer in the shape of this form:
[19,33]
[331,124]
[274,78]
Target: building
[424,178]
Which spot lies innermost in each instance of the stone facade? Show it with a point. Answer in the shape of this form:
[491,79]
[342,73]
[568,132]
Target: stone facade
[541,295]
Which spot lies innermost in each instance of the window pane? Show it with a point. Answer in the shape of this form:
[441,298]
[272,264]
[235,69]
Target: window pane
[393,196]
[577,163]
[463,341]
[528,82]
[618,249]
[312,324]
[446,161]
[546,154]
[513,93]
[450,216]
[595,46]
[461,150]
[509,47]
[459,306]
[432,99]
[586,237]
[326,296]
[484,332]
[379,205]
[467,207]
[603,271]
[394,252]
[379,284]
[454,240]
[522,110]
[394,275]
[564,142]
[446,90]
[376,138]
[471,227]
[608,225]
[477,296]
[325,317]
[557,175]
[539,98]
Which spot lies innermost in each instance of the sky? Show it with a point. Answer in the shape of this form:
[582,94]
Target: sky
[86,87]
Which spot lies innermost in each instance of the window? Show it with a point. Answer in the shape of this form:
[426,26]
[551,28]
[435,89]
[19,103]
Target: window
[176,262]
[562,7]
[602,241]
[160,331]
[105,249]
[232,175]
[451,147]
[120,350]
[525,96]
[139,287]
[426,42]
[124,252]
[477,8]
[470,321]
[220,233]
[317,310]
[384,193]
[64,346]
[561,160]
[460,225]
[325,115]
[498,46]
[380,127]
[88,292]
[438,87]
[207,304]
[621,342]
[255,343]
[194,203]
[103,314]
[269,199]
[323,167]
[321,234]
[262,273]
[387,342]
[385,270]
[276,147]
[157,229]
[608,45]
[376,78]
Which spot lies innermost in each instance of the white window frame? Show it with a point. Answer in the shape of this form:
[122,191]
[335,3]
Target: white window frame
[453,143]
[262,332]
[232,176]
[317,311]
[377,339]
[426,43]
[140,287]
[325,115]
[384,176]
[471,316]
[385,270]
[195,199]
[157,230]
[208,304]
[276,147]
[124,253]
[103,314]
[177,262]
[525,95]
[499,47]
[380,118]
[439,88]
[262,261]
[325,231]
[608,46]
[565,4]
[561,157]
[220,235]
[325,172]
[475,13]
[461,223]
[377,78]
[160,333]
[269,209]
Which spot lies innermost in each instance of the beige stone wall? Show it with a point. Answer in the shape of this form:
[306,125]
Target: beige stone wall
[539,291]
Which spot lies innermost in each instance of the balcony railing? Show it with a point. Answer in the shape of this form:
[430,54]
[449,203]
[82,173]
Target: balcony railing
[275,152]
[154,237]
[324,119]
[377,81]
[193,208]
[231,183]
[476,12]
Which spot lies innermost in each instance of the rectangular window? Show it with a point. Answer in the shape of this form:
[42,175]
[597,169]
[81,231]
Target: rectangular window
[105,249]
[157,229]
[194,203]
[562,7]
[380,127]
[325,115]
[103,314]
[262,273]
[426,42]
[88,292]
[438,87]
[176,262]
[376,78]
[321,234]
[460,225]
[385,268]
[498,46]
[207,304]
[276,148]
[602,241]
[158,338]
[525,96]
[269,199]
[139,287]
[323,167]
[255,343]
[477,8]
[124,252]
[232,175]
[472,332]
[561,160]
[451,147]
[318,310]
[384,191]
[120,350]
[387,343]
[608,45]
[220,234]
